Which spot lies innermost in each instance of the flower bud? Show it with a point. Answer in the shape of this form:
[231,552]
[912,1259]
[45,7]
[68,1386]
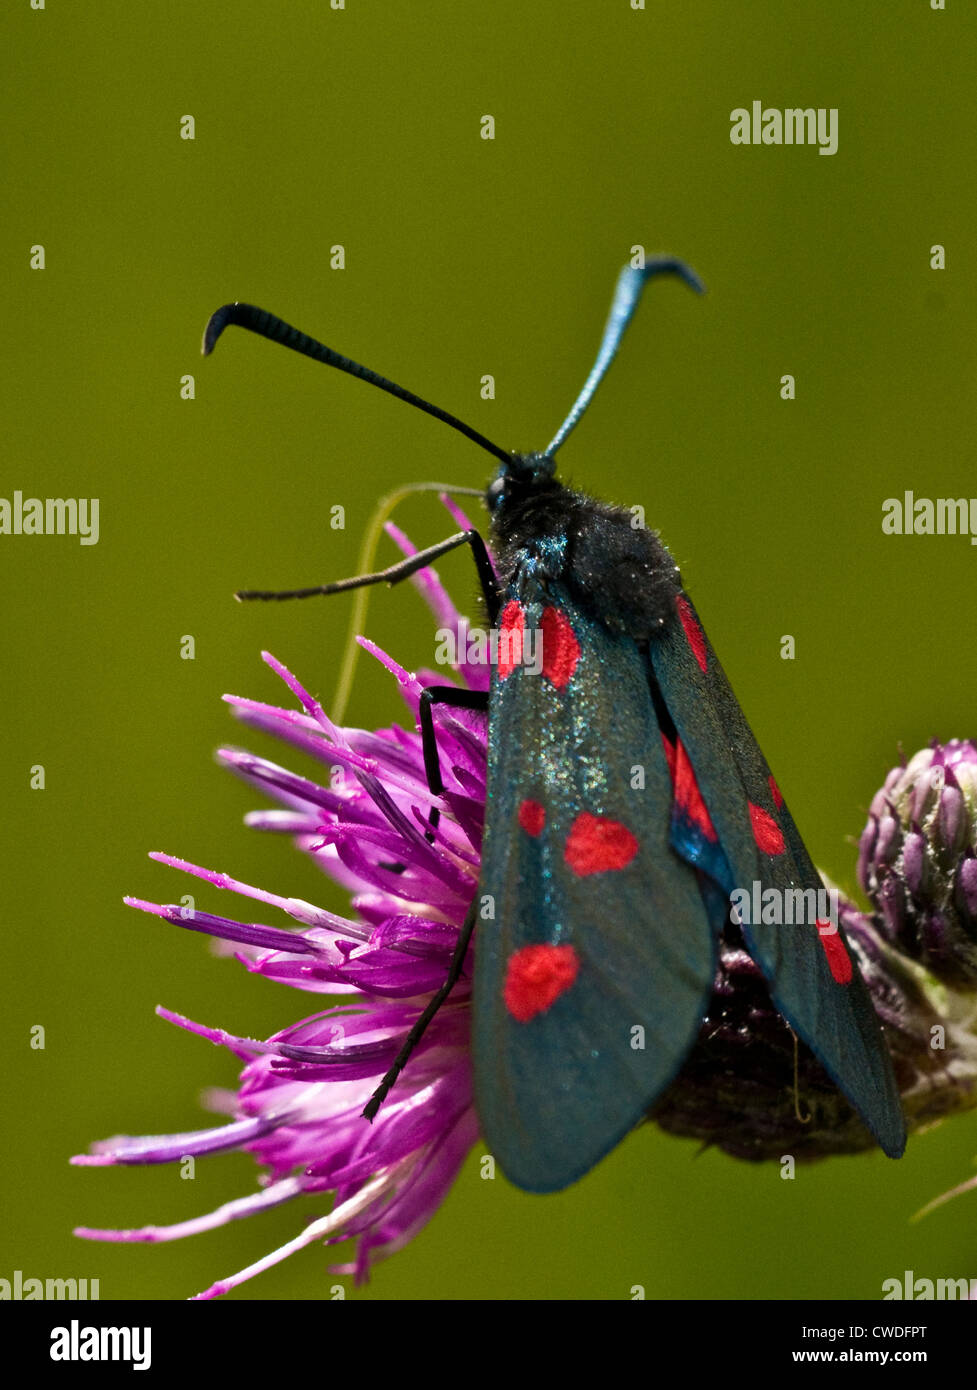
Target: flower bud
[917,860]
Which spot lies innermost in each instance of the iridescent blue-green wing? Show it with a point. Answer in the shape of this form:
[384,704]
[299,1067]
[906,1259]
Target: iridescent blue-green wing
[813,977]
[594,956]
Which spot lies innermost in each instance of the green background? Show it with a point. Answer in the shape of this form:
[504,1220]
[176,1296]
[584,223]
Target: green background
[464,257]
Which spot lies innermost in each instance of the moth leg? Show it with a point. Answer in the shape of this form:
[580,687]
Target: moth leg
[417,1032]
[403,569]
[486,575]
[394,574]
[451,696]
[439,695]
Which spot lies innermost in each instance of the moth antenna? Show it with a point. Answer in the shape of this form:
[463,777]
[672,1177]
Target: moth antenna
[627,293]
[269,326]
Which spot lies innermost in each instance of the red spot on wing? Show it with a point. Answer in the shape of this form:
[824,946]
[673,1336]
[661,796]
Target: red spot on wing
[766,831]
[775,792]
[839,961]
[532,817]
[596,844]
[693,632]
[561,650]
[536,977]
[512,624]
[688,797]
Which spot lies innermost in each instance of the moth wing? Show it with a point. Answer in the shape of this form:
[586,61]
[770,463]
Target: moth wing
[583,881]
[813,977]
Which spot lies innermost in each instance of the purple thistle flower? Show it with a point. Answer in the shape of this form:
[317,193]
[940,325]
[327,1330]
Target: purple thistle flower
[301,1094]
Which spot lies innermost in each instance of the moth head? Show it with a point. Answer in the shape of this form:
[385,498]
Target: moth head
[518,475]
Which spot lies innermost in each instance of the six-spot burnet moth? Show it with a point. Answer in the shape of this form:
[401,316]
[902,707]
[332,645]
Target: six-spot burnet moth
[608,891]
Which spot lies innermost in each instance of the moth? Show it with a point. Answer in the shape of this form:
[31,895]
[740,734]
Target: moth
[627,802]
